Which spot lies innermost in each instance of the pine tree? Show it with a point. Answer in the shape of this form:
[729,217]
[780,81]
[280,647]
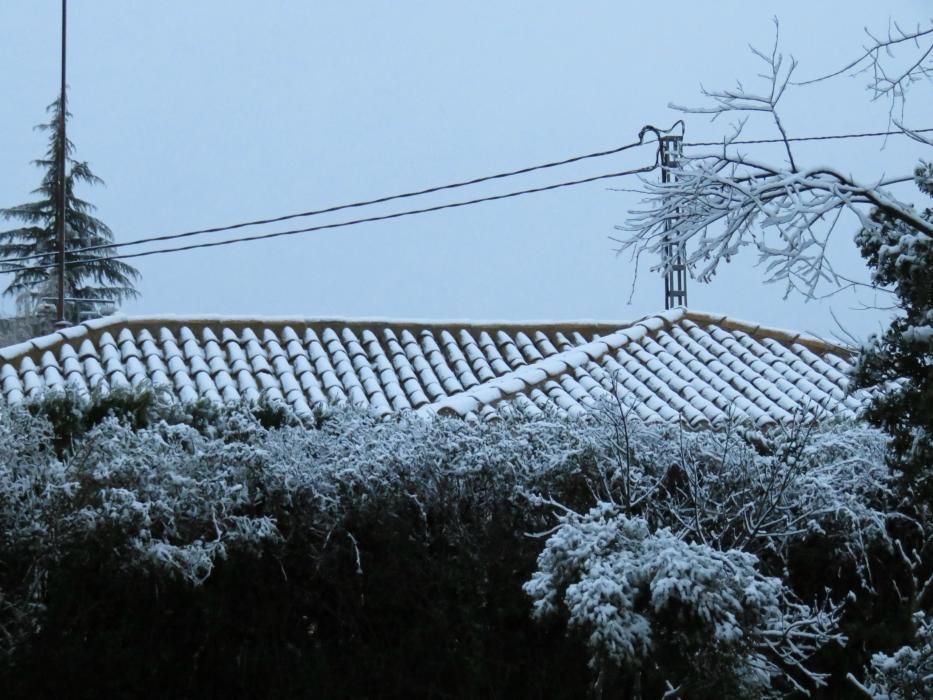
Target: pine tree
[89,274]
[900,362]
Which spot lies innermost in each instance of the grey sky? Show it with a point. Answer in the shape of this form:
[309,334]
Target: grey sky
[209,112]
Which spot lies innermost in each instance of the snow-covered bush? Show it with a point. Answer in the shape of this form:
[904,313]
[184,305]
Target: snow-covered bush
[30,481]
[169,503]
[166,499]
[703,621]
[394,539]
[72,414]
[741,489]
[900,257]
[907,674]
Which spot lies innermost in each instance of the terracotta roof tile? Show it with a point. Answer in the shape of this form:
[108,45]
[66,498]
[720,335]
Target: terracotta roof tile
[678,365]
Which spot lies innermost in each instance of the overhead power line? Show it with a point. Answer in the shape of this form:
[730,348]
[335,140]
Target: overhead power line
[10,262]
[829,137]
[351,205]
[352,222]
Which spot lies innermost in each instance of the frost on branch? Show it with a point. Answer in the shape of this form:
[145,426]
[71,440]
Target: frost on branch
[894,62]
[826,490]
[644,600]
[746,490]
[721,200]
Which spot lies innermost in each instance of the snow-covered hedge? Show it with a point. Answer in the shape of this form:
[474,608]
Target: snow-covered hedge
[671,552]
[705,620]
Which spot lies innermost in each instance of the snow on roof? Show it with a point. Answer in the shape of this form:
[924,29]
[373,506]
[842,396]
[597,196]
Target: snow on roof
[679,364]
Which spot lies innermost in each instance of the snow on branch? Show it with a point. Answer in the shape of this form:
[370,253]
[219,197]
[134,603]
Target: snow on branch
[722,200]
[621,584]
[890,78]
[740,100]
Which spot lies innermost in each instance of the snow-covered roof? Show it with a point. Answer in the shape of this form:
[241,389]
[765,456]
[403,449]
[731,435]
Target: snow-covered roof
[679,364]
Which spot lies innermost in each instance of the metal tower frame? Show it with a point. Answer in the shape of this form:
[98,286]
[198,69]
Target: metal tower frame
[675,255]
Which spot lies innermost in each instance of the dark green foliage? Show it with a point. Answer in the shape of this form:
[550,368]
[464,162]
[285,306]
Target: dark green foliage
[901,360]
[417,624]
[71,416]
[875,619]
[96,277]
[898,367]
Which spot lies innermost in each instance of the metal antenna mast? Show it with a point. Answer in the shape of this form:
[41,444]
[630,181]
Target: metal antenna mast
[62,155]
[675,254]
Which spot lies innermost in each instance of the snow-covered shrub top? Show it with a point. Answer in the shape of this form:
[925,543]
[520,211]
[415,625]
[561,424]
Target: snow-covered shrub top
[665,555]
[176,498]
[747,490]
[625,585]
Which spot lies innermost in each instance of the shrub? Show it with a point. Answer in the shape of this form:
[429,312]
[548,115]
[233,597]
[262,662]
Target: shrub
[253,555]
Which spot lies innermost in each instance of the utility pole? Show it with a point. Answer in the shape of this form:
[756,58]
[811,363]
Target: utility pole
[60,321]
[675,254]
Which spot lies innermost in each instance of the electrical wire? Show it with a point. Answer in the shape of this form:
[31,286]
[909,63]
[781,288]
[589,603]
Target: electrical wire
[406,195]
[351,205]
[342,224]
[830,137]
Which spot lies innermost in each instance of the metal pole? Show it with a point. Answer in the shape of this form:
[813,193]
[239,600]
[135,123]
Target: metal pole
[62,154]
[675,254]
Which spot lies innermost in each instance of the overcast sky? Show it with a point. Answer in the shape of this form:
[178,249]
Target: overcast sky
[213,112]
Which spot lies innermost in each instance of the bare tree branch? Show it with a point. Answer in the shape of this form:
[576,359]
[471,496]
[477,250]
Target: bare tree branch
[721,201]
[740,100]
[888,78]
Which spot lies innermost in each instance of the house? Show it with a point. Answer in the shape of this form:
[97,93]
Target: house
[677,365]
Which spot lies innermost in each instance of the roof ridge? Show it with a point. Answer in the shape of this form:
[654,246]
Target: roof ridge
[284,319]
[521,379]
[102,324]
[88,329]
[808,340]
[50,340]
